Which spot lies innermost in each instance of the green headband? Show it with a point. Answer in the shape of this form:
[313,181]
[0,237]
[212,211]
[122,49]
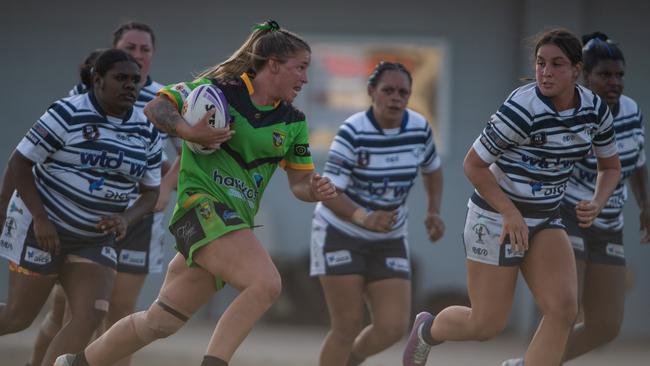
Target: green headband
[269,24]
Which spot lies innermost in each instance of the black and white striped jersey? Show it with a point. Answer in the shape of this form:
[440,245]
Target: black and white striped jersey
[630,135]
[532,147]
[147,94]
[377,167]
[88,164]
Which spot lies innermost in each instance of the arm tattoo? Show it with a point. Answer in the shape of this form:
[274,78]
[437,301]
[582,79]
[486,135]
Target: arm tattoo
[165,117]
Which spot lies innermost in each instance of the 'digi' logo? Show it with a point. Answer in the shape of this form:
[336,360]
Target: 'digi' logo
[90,132]
[278,139]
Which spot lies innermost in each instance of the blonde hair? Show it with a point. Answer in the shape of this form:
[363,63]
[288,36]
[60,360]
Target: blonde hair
[267,41]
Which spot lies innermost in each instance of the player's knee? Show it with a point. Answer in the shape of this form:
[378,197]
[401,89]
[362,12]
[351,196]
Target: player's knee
[12,323]
[268,288]
[488,329]
[562,309]
[392,330]
[605,330]
[159,321]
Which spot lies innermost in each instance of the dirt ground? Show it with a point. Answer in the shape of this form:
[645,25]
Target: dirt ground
[299,346]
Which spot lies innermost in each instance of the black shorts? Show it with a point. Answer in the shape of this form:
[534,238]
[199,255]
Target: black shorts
[34,259]
[141,251]
[593,244]
[336,253]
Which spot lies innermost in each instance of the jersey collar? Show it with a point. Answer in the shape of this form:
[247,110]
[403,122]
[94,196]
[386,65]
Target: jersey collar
[98,108]
[549,103]
[374,122]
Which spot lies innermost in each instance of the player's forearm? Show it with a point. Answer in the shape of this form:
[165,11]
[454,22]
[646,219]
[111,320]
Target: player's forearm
[433,187]
[165,117]
[639,187]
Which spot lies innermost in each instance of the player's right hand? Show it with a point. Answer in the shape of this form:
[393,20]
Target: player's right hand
[516,229]
[46,235]
[204,134]
[380,221]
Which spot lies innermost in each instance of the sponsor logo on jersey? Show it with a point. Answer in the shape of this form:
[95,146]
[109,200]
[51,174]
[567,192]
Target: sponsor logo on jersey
[133,257]
[258,178]
[246,192]
[398,264]
[278,138]
[301,150]
[615,250]
[90,132]
[103,160]
[535,187]
[538,139]
[40,130]
[186,232]
[481,231]
[363,158]
[492,134]
[95,185]
[37,256]
[338,258]
[31,136]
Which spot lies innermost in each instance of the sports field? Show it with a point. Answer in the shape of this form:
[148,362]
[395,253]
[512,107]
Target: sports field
[291,346]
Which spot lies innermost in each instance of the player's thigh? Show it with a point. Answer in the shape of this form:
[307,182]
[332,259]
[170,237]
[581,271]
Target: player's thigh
[239,259]
[603,298]
[344,297]
[389,302]
[549,268]
[491,291]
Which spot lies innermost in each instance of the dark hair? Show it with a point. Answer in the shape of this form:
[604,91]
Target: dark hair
[597,47]
[564,40]
[125,27]
[86,68]
[108,58]
[267,41]
[383,66]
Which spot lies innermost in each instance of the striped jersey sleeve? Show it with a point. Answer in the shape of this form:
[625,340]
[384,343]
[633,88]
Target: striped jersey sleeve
[48,134]
[508,127]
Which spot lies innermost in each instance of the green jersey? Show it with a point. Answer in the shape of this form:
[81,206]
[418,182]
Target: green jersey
[238,172]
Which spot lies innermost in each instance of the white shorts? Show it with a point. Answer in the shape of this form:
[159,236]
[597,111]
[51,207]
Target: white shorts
[483,230]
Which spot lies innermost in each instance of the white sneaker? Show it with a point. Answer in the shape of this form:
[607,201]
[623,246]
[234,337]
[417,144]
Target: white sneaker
[513,362]
[64,360]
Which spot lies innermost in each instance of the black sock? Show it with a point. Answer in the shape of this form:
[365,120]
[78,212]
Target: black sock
[354,360]
[80,359]
[425,333]
[213,361]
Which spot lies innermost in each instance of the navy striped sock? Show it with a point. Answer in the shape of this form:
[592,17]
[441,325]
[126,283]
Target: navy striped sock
[213,361]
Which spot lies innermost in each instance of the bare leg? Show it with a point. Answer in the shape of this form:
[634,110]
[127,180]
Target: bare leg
[87,287]
[122,303]
[491,290]
[50,325]
[185,290]
[27,294]
[602,302]
[344,296]
[242,262]
[390,307]
[550,271]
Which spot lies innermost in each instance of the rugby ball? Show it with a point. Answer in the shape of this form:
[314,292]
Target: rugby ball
[201,100]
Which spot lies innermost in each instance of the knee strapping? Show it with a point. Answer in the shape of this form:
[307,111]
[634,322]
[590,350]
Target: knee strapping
[156,323]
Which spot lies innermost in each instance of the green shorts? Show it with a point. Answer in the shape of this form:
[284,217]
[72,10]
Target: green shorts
[198,221]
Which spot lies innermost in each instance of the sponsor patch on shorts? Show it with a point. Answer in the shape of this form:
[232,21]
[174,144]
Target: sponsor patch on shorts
[338,258]
[510,253]
[577,243]
[615,250]
[398,264]
[109,252]
[133,257]
[37,256]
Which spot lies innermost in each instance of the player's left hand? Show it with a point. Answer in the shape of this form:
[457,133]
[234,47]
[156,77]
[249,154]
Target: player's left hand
[321,188]
[114,224]
[586,212]
[435,226]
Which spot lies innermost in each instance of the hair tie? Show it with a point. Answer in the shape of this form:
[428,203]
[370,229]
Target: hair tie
[269,24]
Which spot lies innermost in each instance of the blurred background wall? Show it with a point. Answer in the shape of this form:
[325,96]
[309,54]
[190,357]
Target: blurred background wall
[485,56]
